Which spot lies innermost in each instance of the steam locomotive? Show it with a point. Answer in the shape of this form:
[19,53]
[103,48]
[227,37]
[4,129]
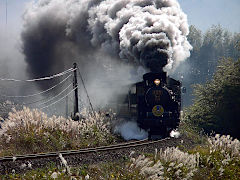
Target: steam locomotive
[156,103]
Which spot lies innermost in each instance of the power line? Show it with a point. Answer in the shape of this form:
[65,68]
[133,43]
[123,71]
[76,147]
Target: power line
[79,73]
[42,78]
[34,102]
[49,89]
[59,99]
[39,93]
[55,96]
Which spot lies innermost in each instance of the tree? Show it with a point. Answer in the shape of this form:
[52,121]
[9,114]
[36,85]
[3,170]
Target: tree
[208,48]
[217,103]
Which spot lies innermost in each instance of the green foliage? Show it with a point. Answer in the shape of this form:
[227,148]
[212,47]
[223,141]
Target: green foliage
[217,103]
[187,129]
[218,160]
[111,171]
[31,141]
[208,48]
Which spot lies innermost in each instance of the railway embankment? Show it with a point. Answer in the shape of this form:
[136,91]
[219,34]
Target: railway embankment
[99,154]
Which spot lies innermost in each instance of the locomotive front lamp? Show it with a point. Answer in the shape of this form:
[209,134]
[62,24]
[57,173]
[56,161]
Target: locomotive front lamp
[157,82]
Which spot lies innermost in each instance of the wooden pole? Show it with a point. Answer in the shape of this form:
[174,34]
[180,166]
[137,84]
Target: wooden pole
[75,86]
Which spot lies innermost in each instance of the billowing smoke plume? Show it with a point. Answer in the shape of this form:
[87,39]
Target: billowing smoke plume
[109,39]
[151,33]
[148,32]
[113,41]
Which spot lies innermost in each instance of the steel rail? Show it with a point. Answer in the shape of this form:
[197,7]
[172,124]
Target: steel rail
[82,151]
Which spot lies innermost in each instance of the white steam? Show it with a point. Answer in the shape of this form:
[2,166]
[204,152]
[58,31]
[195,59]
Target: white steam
[131,26]
[130,130]
[175,134]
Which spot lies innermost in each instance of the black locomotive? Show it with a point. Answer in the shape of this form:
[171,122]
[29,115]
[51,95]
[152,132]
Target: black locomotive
[156,103]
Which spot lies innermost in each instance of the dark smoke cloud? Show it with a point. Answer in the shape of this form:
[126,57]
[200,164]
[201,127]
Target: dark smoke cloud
[56,31]
[102,35]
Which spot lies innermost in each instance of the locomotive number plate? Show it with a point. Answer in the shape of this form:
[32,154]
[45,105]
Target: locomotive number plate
[157,94]
[157,110]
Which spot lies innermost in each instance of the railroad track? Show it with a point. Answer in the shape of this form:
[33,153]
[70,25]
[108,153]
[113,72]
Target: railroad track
[81,151]
[19,163]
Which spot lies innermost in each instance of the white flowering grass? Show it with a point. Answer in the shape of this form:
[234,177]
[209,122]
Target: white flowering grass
[225,144]
[170,162]
[217,160]
[32,131]
[64,163]
[220,159]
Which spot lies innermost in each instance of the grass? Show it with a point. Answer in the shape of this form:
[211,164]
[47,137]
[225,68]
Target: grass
[115,170]
[31,131]
[219,159]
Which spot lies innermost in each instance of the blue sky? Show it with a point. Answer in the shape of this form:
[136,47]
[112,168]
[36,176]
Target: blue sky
[201,13]
[204,13]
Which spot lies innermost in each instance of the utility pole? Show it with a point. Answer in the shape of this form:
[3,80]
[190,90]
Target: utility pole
[75,86]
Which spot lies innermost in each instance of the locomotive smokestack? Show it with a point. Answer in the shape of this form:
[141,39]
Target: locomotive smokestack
[155,60]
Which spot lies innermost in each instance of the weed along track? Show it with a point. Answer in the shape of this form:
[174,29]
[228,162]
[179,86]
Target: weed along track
[21,163]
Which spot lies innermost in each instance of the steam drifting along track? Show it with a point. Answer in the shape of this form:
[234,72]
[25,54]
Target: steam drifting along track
[22,163]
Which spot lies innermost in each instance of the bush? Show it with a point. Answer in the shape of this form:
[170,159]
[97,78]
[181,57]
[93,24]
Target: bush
[31,131]
[217,103]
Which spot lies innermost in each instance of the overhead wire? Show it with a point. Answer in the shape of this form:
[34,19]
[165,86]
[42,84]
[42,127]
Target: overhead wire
[44,91]
[34,102]
[49,89]
[42,78]
[39,93]
[56,95]
[59,99]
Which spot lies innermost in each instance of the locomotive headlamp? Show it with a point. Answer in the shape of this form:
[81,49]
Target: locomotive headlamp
[157,82]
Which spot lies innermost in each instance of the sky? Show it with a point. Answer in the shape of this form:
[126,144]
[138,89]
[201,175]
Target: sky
[201,13]
[204,13]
